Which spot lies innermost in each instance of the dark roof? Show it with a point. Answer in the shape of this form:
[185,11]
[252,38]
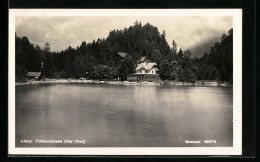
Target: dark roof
[33,74]
[122,54]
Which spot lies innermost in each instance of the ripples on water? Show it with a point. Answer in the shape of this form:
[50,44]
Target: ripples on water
[118,116]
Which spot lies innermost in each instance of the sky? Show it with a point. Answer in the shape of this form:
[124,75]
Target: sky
[62,32]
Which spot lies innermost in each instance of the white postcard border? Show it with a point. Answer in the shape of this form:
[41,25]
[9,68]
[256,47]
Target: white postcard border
[237,84]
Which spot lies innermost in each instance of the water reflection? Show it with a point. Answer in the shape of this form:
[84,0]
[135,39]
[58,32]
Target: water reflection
[118,116]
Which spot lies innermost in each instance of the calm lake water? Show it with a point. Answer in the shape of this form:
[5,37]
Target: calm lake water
[121,116]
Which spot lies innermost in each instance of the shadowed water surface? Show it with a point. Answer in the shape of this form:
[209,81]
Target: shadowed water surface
[121,116]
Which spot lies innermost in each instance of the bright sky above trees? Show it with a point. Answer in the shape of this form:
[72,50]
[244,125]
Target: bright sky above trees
[62,32]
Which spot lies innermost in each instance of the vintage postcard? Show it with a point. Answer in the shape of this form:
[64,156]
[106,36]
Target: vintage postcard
[125,82]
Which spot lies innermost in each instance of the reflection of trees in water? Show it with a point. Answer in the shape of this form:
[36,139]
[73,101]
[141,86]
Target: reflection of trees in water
[125,115]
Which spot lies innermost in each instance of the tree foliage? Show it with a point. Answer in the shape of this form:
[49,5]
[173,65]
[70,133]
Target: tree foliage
[99,59]
[217,64]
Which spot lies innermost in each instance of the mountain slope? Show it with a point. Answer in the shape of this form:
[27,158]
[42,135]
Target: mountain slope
[200,49]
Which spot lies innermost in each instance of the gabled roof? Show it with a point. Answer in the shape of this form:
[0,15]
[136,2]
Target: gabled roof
[122,54]
[33,74]
[147,66]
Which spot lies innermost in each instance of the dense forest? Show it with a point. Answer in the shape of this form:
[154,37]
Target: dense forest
[217,63]
[99,59]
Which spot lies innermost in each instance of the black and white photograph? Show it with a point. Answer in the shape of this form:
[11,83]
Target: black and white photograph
[127,82]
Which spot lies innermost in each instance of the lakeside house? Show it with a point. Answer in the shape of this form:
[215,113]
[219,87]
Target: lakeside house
[32,75]
[145,71]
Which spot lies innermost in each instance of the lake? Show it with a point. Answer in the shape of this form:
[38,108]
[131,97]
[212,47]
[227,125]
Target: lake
[123,116]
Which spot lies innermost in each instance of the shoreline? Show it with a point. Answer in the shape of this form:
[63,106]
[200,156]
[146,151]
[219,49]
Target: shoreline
[143,83]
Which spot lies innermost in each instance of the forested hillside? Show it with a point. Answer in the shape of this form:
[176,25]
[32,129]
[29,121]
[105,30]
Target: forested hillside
[99,59]
[217,64]
[203,47]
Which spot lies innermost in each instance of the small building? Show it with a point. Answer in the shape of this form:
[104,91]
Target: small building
[145,71]
[146,68]
[33,74]
[117,56]
[122,54]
